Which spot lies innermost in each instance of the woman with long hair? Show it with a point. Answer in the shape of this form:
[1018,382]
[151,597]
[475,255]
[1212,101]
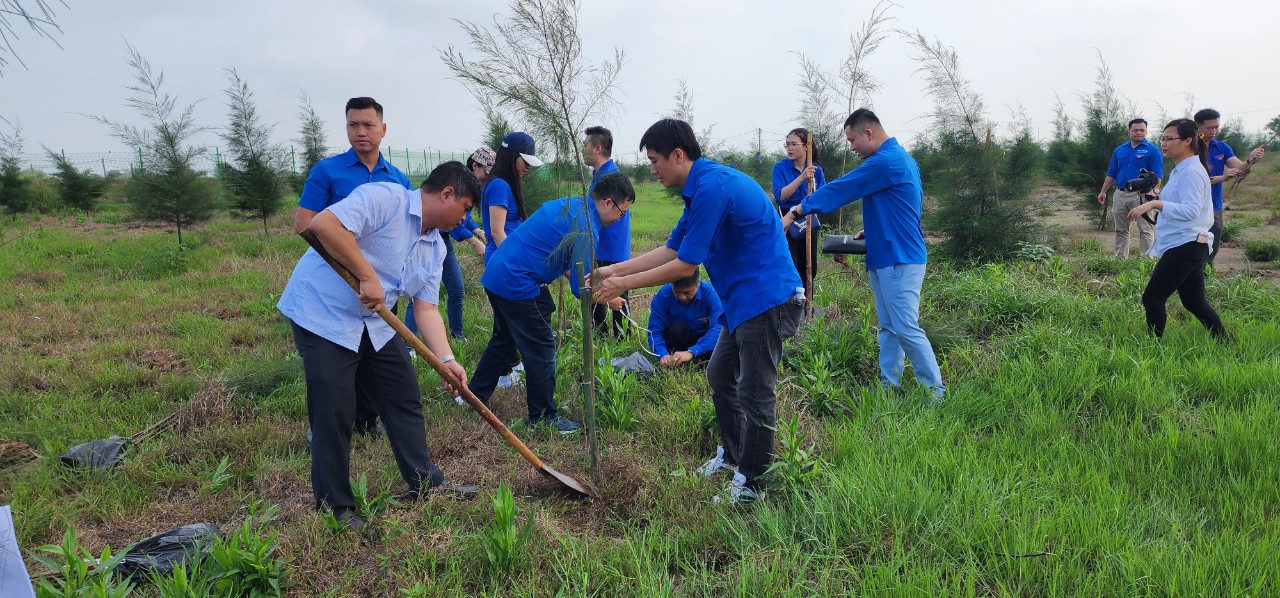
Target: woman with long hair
[1182,231]
[502,200]
[791,176]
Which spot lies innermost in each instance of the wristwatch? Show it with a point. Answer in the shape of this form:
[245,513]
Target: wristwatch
[795,211]
[446,359]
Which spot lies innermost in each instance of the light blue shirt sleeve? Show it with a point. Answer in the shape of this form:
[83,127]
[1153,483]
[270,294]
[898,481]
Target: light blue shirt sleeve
[367,209]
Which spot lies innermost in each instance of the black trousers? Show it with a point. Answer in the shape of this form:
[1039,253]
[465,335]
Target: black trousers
[742,374]
[333,374]
[1180,269]
[521,329]
[796,248]
[366,419]
[599,313]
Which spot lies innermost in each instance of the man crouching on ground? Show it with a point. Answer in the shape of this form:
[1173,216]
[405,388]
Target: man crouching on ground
[389,237]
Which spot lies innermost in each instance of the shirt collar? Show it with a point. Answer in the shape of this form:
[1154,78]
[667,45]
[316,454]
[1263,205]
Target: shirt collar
[699,168]
[414,197]
[353,159]
[604,166]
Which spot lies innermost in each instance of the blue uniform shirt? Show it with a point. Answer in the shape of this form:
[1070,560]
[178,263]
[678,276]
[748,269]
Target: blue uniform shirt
[1127,160]
[497,193]
[785,171]
[1218,154]
[888,182]
[730,225]
[333,178]
[386,220]
[615,239]
[554,240]
[701,315]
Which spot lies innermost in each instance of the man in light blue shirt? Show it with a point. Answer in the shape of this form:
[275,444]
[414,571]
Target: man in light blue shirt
[332,179]
[684,321]
[389,237]
[730,225]
[615,240]
[1127,161]
[888,183]
[555,240]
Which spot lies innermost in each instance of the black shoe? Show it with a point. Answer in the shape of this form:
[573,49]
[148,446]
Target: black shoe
[353,521]
[463,491]
[374,431]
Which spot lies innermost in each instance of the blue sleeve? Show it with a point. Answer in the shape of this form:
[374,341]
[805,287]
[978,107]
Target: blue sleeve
[704,220]
[1114,167]
[857,184]
[1227,152]
[820,178]
[470,223]
[677,233]
[658,309]
[1157,163]
[708,341]
[461,232]
[779,181]
[315,191]
[583,243]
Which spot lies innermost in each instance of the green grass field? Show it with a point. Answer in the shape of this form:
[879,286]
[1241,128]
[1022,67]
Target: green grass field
[1075,455]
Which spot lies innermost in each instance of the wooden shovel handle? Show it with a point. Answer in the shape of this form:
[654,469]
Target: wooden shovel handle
[426,354]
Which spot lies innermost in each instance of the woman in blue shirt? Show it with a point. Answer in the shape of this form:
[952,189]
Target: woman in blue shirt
[503,198]
[1182,231]
[791,176]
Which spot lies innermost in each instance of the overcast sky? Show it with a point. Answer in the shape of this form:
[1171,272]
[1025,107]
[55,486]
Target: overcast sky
[736,55]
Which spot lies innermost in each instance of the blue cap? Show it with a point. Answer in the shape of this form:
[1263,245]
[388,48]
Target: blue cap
[521,143]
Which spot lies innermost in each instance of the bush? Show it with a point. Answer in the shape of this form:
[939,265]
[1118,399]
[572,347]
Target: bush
[1231,231]
[1261,251]
[78,189]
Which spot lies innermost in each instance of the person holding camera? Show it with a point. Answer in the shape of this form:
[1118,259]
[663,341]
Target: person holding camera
[1182,231]
[1127,161]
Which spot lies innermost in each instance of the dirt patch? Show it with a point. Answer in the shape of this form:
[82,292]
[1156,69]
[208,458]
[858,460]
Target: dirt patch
[164,361]
[14,453]
[42,278]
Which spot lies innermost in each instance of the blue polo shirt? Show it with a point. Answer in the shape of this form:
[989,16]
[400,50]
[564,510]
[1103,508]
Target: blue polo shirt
[888,183]
[386,220]
[1218,154]
[615,239]
[1127,160]
[730,226]
[497,193]
[554,240]
[785,171]
[701,315]
[334,178]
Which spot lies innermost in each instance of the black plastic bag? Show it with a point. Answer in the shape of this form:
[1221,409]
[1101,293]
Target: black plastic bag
[99,454]
[844,244]
[163,552]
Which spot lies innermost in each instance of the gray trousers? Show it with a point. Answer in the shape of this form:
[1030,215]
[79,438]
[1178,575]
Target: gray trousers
[332,373]
[742,373]
[1124,202]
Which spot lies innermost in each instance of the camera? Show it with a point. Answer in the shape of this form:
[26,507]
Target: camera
[1143,184]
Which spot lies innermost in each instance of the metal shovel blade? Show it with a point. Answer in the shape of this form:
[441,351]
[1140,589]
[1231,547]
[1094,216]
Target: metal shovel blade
[565,480]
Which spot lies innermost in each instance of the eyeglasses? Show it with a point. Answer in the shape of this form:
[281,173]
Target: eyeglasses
[1164,139]
[793,144]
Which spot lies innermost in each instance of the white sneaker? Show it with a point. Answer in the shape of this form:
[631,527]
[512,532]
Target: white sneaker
[504,381]
[517,373]
[736,493]
[716,464]
[458,399]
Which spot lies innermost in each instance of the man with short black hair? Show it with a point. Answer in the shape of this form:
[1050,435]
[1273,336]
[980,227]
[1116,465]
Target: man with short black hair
[334,178]
[554,241]
[684,321]
[389,237]
[731,226]
[888,183]
[615,240]
[1223,165]
[1127,160]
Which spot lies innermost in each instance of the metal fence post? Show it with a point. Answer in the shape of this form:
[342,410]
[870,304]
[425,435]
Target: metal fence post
[217,171]
[293,159]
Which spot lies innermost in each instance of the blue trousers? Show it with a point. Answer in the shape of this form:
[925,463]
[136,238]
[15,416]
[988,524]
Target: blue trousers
[521,329]
[897,292]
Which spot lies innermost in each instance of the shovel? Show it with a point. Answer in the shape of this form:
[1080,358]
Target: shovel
[573,485]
